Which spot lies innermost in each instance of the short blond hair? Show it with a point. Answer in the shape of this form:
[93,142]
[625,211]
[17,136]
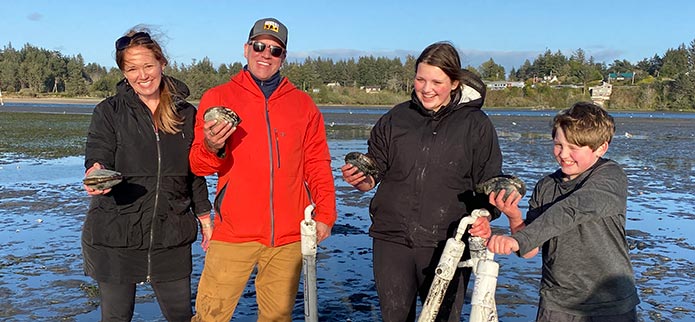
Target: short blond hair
[585,124]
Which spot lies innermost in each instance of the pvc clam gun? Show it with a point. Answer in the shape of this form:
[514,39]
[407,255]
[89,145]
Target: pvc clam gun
[485,269]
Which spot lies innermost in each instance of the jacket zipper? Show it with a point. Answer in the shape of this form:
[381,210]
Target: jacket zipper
[272,174]
[421,178]
[156,204]
[277,146]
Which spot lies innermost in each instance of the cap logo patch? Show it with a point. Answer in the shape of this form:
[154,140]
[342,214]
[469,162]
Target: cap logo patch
[271,25]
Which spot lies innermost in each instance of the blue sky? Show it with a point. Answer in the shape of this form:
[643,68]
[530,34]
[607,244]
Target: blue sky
[508,31]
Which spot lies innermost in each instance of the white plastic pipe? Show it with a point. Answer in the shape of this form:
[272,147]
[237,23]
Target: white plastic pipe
[483,307]
[308,230]
[446,268]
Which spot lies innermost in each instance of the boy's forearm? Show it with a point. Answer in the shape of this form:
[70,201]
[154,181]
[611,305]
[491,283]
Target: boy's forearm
[524,242]
[516,224]
[530,254]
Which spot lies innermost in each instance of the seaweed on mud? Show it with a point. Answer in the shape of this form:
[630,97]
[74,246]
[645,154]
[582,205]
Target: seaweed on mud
[659,210]
[43,135]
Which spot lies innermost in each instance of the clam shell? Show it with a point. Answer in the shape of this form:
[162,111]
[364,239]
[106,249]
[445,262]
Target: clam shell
[507,182]
[102,179]
[364,163]
[222,114]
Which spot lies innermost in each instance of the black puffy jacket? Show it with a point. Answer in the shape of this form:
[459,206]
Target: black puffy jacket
[142,229]
[429,165]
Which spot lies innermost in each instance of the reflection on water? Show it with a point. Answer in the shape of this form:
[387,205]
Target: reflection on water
[42,206]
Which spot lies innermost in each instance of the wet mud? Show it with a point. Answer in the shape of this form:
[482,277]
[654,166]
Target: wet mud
[42,206]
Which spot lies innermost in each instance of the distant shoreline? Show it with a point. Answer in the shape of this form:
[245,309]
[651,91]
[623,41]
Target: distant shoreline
[69,100]
[87,101]
[51,100]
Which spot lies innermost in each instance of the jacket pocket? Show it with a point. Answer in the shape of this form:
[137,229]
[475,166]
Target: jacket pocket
[110,225]
[176,226]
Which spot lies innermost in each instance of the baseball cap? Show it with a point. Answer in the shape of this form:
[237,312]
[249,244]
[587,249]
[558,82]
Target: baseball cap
[272,27]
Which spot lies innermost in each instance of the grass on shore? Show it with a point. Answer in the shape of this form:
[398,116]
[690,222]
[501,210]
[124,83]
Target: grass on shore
[43,135]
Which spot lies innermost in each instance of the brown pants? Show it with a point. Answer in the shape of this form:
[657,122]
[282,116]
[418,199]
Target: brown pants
[227,269]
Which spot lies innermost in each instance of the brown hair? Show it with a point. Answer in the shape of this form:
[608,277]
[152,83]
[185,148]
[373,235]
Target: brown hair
[443,55]
[165,116]
[585,124]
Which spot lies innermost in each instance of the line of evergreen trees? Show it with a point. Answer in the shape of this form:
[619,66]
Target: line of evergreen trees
[659,82]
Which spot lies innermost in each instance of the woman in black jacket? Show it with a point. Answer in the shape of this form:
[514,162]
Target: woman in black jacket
[430,152]
[141,230]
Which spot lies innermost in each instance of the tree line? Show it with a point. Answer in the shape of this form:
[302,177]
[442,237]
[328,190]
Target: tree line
[661,82]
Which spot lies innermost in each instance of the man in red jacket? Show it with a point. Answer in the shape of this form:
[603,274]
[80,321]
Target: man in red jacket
[270,167]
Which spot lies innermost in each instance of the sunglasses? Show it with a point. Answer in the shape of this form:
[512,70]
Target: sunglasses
[137,38]
[259,47]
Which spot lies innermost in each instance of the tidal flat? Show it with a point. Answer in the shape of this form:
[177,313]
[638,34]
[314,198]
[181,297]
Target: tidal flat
[42,207]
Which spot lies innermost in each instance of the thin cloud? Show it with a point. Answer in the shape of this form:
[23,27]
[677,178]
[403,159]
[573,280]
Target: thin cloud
[607,55]
[35,16]
[508,59]
[345,54]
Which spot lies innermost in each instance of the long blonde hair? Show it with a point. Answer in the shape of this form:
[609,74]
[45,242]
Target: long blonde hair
[165,116]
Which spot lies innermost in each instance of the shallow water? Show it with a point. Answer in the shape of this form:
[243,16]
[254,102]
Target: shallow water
[42,207]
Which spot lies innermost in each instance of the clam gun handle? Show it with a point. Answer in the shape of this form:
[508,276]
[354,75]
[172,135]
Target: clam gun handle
[465,221]
[308,230]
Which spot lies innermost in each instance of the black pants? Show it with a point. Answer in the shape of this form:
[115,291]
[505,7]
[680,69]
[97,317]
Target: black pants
[402,274]
[174,298]
[545,315]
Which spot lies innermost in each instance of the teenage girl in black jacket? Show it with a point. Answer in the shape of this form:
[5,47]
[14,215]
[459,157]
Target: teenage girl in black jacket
[431,152]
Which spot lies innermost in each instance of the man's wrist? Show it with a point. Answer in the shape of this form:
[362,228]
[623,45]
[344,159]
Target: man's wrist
[210,148]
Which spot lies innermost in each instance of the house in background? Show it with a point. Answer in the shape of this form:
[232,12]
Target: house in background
[371,89]
[621,76]
[500,85]
[550,79]
[602,93]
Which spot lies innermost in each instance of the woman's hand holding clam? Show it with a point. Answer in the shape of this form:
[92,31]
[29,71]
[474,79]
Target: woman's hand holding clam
[92,191]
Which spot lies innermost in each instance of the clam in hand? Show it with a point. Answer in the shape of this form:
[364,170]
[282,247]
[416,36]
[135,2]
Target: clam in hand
[102,179]
[507,183]
[222,114]
[363,163]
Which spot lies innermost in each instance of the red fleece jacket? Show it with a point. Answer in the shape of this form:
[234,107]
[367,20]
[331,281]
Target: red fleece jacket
[275,164]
